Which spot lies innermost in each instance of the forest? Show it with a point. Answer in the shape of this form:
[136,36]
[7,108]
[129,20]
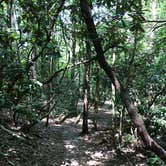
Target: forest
[82,82]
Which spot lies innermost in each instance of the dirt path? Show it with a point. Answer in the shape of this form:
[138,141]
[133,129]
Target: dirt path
[62,145]
[82,150]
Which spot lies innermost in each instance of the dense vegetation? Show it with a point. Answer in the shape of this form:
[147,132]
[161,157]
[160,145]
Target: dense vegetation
[54,54]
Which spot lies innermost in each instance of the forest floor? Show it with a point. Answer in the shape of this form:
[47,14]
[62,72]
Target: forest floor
[63,145]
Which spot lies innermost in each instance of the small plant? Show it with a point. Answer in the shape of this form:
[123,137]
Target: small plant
[127,139]
[155,160]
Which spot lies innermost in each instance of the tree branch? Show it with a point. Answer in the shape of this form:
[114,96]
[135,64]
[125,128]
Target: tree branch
[161,25]
[69,67]
[162,91]
[48,36]
[155,21]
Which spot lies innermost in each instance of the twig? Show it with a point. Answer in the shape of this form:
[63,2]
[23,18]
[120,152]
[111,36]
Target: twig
[161,25]
[129,160]
[162,91]
[15,134]
[155,21]
[78,118]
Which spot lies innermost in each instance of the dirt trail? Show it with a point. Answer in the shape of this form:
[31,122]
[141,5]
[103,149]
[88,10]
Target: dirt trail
[62,145]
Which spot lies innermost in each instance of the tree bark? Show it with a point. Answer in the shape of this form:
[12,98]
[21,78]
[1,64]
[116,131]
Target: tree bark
[73,48]
[96,102]
[86,90]
[124,95]
[113,91]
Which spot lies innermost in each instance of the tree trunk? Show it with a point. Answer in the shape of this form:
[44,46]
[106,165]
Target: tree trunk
[121,124]
[132,110]
[34,67]
[96,102]
[86,90]
[73,48]
[113,103]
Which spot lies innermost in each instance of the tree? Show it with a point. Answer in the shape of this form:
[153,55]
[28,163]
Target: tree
[86,90]
[47,55]
[132,110]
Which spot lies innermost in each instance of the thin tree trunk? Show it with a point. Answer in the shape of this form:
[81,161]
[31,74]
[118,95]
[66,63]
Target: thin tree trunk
[96,104]
[86,90]
[113,103]
[49,89]
[121,124]
[9,22]
[124,95]
[73,48]
[34,67]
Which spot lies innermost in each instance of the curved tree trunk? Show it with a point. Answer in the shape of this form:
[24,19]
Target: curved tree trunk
[132,110]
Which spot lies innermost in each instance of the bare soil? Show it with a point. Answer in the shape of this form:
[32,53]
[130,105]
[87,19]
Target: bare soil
[63,145]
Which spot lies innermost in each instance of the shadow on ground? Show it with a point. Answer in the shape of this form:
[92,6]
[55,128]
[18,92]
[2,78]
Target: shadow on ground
[62,145]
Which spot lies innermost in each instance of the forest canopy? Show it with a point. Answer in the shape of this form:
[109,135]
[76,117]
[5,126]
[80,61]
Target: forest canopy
[57,53]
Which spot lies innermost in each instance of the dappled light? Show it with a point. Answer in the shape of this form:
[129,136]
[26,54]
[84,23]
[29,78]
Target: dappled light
[82,83]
